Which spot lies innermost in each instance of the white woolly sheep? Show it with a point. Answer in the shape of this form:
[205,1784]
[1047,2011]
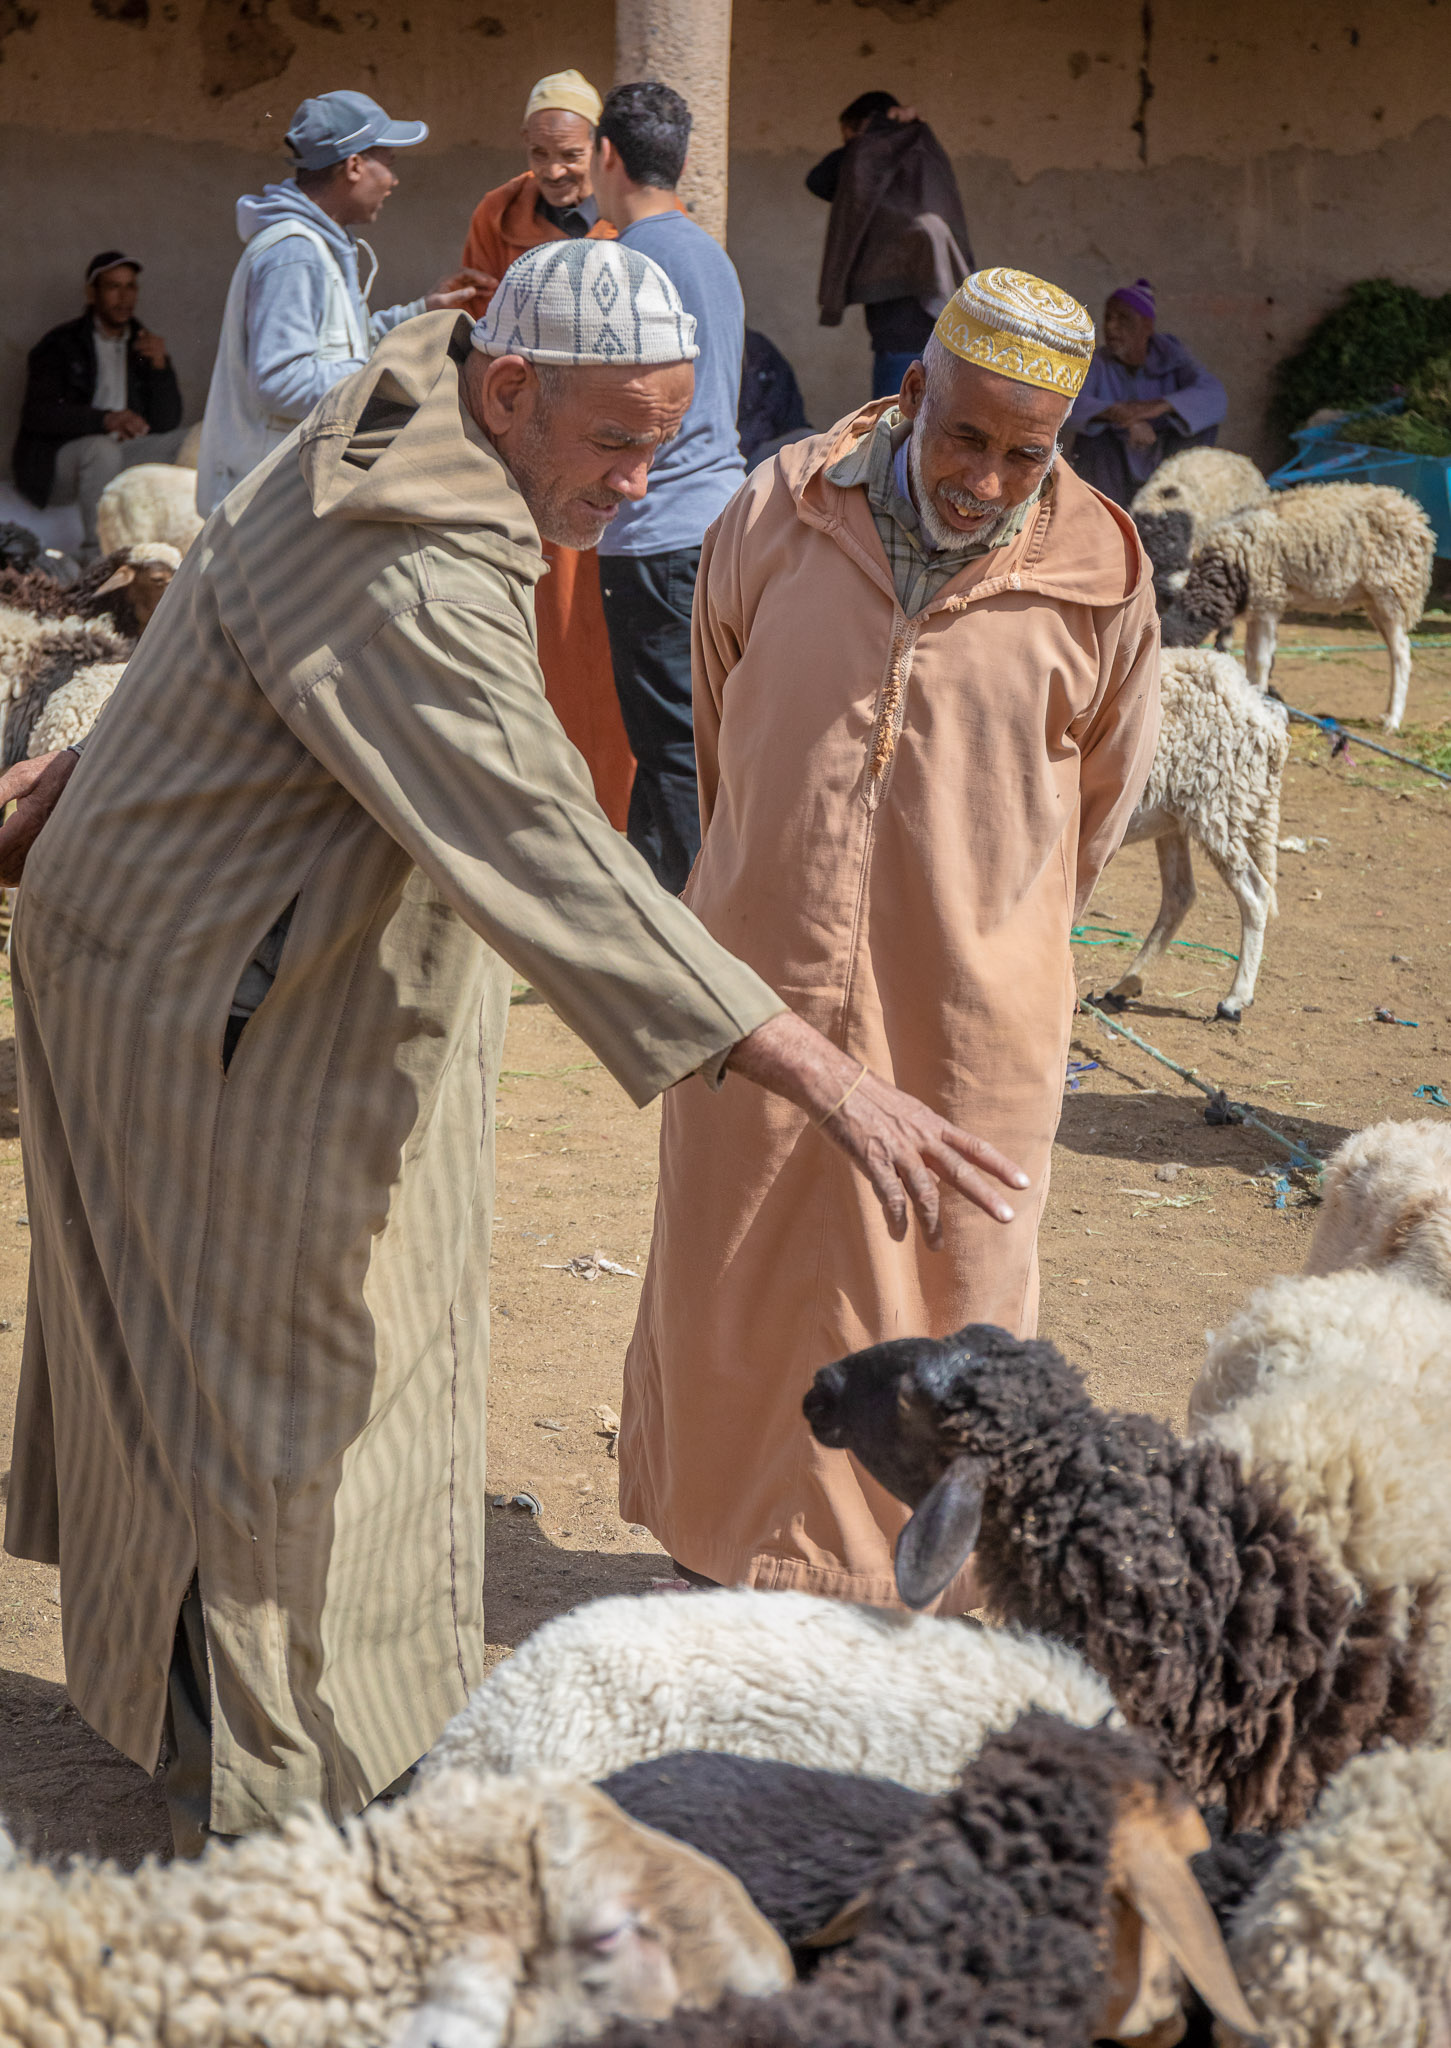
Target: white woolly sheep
[188,455]
[1337,1390]
[155,501]
[1322,548]
[473,1913]
[1346,1942]
[49,634]
[1183,499]
[1215,781]
[64,649]
[783,1675]
[1387,1204]
[71,710]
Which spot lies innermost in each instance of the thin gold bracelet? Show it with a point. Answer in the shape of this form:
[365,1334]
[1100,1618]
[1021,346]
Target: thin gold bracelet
[836,1106]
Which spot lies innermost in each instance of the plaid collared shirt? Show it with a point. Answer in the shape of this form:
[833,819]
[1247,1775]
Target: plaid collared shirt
[918,569]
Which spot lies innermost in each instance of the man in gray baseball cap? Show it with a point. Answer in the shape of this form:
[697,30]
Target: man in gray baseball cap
[297,317]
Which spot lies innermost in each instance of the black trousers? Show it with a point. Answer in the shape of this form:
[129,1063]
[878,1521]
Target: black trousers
[647,600]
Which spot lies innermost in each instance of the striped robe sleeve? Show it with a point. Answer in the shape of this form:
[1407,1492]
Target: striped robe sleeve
[439,728]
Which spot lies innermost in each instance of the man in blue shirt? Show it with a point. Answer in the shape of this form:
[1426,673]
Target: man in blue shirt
[651,551]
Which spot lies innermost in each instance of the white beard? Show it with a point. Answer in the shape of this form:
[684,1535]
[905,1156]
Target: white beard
[941,537]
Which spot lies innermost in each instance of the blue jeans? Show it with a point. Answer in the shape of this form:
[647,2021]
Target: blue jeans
[889,367]
[647,600]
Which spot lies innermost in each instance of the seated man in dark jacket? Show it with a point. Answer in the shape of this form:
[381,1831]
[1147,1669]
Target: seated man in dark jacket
[896,243]
[100,395]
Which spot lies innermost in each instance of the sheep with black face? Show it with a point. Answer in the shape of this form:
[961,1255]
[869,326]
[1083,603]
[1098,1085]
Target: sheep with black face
[1046,1901]
[1223,1631]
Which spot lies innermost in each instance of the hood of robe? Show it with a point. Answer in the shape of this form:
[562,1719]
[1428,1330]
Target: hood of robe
[394,443]
[1076,547]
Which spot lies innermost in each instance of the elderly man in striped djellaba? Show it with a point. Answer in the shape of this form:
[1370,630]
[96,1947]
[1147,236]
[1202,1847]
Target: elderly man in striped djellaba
[261,971]
[926,700]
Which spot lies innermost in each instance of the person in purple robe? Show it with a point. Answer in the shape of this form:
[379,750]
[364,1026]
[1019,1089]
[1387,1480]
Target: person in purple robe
[1145,397]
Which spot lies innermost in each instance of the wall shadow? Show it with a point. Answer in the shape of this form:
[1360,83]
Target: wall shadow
[63,1791]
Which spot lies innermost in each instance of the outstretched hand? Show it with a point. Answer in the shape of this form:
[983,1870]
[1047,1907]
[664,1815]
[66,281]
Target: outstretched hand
[458,289]
[34,787]
[906,1150]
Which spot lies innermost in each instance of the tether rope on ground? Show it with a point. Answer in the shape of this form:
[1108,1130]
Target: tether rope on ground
[1221,1108]
[1343,738]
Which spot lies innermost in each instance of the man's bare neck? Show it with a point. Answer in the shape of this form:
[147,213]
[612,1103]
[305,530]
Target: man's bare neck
[640,202]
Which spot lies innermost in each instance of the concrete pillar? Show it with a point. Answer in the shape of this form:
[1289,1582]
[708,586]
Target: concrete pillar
[686,44]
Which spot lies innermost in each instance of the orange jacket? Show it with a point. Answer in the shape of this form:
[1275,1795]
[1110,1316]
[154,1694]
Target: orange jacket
[506,223]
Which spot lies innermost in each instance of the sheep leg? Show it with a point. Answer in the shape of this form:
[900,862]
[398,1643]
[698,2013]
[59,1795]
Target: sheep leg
[1259,647]
[1176,879]
[1398,640]
[1253,894]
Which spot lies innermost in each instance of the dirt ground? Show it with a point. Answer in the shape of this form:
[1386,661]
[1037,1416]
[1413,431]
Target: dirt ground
[1135,1268]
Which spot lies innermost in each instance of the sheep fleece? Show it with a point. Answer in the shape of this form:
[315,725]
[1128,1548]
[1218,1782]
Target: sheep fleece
[783,1675]
[1347,1942]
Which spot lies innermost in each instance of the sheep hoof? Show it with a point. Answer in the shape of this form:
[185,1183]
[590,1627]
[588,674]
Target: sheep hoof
[1232,1009]
[1112,999]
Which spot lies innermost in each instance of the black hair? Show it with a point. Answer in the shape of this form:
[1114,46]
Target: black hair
[650,127]
[865,105]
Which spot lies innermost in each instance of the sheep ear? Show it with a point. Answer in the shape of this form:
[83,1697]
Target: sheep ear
[938,1540]
[116,581]
[842,1926]
[1165,1893]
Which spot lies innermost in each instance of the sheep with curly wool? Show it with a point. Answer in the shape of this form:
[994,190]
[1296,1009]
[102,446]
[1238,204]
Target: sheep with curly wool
[1215,783]
[71,710]
[154,501]
[1184,1579]
[473,1913]
[804,1843]
[1337,1390]
[782,1675]
[1322,548]
[1386,1203]
[1186,496]
[1044,1902]
[1346,1941]
[49,633]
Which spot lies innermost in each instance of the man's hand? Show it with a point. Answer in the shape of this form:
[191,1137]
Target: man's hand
[458,289]
[1131,412]
[34,788]
[150,347]
[1141,435]
[904,1149]
[125,425]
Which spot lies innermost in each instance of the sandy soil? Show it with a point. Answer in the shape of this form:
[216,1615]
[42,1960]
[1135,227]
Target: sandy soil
[1134,1268]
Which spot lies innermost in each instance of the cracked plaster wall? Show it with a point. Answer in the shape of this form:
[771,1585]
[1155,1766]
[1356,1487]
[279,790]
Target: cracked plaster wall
[1250,158]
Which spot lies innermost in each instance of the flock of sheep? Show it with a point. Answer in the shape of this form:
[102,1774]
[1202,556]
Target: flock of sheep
[1192,1773]
[735,1819]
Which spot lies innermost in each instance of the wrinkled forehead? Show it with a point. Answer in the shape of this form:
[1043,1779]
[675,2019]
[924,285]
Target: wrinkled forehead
[638,398]
[965,395]
[557,128]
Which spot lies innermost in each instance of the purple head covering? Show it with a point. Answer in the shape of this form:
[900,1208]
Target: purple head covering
[1139,297]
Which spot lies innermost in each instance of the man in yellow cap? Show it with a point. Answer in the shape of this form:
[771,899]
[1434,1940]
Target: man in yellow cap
[551,201]
[926,702]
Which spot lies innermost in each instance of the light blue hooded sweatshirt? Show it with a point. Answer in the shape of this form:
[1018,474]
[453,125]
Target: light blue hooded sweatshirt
[286,292]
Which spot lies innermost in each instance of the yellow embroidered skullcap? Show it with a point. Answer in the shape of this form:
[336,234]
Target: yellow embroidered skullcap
[568,91]
[1021,327]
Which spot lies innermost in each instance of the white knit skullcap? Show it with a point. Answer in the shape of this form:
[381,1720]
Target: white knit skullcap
[586,302]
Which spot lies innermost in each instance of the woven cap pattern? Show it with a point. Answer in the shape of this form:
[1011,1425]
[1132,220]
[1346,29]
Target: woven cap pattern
[1021,327]
[586,302]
